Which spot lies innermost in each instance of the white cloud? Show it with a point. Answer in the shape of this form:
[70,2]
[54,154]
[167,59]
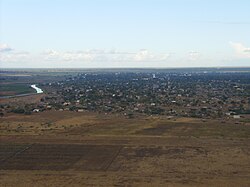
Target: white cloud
[194,56]
[102,58]
[146,56]
[15,57]
[241,51]
[95,57]
[5,48]
[8,54]
[98,55]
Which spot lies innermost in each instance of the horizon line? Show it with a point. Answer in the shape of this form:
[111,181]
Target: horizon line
[196,67]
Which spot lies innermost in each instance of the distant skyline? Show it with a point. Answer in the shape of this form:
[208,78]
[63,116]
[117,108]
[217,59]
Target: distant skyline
[124,34]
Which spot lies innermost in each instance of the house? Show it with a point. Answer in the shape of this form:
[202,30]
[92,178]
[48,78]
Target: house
[236,116]
[36,110]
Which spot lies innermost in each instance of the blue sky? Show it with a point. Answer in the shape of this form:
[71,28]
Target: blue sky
[124,33]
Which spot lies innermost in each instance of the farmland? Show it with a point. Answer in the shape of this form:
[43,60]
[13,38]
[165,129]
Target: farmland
[18,82]
[15,89]
[69,148]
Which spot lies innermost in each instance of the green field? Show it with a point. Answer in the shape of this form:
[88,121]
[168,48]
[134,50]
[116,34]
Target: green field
[15,89]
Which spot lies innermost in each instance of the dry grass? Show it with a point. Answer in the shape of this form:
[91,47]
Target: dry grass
[88,149]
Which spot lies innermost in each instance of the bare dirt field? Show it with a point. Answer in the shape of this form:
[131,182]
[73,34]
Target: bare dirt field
[33,98]
[87,149]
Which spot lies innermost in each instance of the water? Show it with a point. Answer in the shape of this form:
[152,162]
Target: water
[38,90]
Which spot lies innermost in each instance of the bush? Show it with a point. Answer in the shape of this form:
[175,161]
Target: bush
[18,110]
[27,112]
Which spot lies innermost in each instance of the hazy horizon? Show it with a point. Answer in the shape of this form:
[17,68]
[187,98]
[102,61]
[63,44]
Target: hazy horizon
[124,34]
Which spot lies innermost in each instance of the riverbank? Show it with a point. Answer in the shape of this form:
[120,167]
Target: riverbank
[38,91]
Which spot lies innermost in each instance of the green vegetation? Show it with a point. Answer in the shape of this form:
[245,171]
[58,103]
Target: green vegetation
[15,89]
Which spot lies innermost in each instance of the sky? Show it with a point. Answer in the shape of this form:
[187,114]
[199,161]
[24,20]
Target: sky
[124,33]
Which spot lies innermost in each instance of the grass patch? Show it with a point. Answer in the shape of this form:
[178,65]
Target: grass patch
[15,89]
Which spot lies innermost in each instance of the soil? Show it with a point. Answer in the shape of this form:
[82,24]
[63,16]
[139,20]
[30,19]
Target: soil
[55,148]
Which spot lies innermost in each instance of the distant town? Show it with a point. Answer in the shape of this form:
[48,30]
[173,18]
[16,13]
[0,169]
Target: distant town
[199,94]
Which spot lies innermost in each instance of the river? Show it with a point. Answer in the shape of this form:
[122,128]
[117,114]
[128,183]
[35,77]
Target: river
[38,90]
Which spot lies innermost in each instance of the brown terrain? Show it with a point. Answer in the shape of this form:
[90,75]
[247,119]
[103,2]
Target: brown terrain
[65,148]
[22,100]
